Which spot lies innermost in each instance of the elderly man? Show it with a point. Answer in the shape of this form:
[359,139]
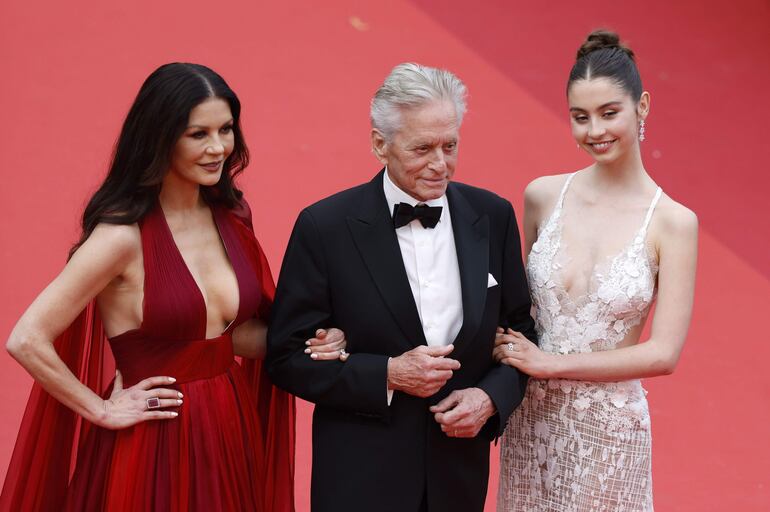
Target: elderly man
[418,272]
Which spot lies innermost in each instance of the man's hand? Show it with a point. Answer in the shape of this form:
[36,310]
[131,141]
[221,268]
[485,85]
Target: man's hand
[464,412]
[422,371]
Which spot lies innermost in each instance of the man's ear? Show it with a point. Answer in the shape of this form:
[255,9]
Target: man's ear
[379,146]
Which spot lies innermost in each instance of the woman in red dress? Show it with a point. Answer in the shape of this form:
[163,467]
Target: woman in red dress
[169,272]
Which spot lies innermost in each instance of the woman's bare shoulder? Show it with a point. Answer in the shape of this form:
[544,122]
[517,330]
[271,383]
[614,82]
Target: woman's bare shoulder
[674,218]
[543,192]
[120,236]
[111,244]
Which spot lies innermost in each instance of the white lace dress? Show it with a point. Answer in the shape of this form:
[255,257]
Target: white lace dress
[579,446]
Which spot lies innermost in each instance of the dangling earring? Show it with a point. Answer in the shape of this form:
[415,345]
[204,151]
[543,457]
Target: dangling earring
[641,130]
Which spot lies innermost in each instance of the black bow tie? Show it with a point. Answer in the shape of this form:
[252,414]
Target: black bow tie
[404,213]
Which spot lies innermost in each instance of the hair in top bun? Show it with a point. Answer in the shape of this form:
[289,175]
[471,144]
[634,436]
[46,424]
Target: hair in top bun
[603,55]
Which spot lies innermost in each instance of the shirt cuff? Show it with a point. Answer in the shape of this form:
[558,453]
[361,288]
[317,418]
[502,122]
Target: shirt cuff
[389,391]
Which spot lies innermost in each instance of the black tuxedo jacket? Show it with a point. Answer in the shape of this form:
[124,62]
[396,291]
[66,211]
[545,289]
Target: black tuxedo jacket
[343,268]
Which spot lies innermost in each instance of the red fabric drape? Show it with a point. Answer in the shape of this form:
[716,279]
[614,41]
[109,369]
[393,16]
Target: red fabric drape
[276,407]
[46,451]
[44,457]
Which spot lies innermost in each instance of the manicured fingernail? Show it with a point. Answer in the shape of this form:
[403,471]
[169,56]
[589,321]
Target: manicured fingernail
[180,395]
[318,332]
[174,413]
[313,356]
[307,342]
[307,351]
[171,379]
[179,402]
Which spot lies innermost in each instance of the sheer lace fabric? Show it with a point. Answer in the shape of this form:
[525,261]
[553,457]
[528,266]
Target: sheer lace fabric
[580,445]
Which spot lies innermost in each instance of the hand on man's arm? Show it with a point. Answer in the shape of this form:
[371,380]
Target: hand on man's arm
[303,306]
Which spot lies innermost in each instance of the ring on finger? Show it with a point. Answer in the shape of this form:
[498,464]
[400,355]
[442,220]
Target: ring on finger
[343,354]
[510,347]
[153,403]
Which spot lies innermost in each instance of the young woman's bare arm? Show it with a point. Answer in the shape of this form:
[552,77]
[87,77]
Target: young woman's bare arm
[660,353]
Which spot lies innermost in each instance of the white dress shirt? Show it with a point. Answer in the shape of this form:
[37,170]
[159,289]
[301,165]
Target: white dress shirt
[430,259]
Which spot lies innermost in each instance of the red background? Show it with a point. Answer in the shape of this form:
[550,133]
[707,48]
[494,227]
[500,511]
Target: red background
[305,72]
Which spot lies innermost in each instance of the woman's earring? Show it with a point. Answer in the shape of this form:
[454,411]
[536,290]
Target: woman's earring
[641,130]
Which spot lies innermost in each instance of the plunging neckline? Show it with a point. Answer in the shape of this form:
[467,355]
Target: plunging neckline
[201,296]
[596,279]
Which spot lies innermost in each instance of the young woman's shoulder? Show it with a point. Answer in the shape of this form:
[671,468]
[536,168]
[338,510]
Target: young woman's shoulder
[543,192]
[675,219]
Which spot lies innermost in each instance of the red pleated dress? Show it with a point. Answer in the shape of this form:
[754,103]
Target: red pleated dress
[231,447]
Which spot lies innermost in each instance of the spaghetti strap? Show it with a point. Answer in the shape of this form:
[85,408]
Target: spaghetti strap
[593,438]
[564,191]
[651,210]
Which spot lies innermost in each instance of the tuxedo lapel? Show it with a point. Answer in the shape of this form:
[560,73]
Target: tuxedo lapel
[373,233]
[471,233]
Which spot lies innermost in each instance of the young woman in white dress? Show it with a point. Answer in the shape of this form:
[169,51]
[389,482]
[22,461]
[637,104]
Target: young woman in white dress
[602,243]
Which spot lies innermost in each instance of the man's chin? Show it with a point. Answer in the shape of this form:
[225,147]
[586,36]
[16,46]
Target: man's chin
[430,193]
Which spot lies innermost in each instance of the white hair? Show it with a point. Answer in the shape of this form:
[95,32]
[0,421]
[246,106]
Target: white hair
[411,85]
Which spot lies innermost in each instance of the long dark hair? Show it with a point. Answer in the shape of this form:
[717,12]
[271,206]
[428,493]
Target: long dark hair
[142,153]
[603,55]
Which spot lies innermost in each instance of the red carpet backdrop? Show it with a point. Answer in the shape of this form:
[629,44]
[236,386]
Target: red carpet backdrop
[305,72]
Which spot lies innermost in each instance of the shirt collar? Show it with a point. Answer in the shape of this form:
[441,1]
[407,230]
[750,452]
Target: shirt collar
[394,195]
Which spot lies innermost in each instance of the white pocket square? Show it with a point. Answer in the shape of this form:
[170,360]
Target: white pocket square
[491,281]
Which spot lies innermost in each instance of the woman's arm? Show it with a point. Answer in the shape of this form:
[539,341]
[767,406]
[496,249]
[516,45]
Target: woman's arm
[660,353]
[102,258]
[249,339]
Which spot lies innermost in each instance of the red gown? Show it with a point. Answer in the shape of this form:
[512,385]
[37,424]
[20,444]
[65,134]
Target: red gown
[232,446]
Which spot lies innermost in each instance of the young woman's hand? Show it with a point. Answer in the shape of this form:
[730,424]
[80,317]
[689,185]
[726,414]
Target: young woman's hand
[514,349]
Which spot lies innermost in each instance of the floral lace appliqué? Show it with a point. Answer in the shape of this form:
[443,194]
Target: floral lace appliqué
[578,445]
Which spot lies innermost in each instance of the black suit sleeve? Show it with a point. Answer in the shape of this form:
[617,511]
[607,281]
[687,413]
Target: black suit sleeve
[506,385]
[302,305]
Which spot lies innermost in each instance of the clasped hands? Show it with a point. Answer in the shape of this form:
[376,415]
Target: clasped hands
[423,371]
